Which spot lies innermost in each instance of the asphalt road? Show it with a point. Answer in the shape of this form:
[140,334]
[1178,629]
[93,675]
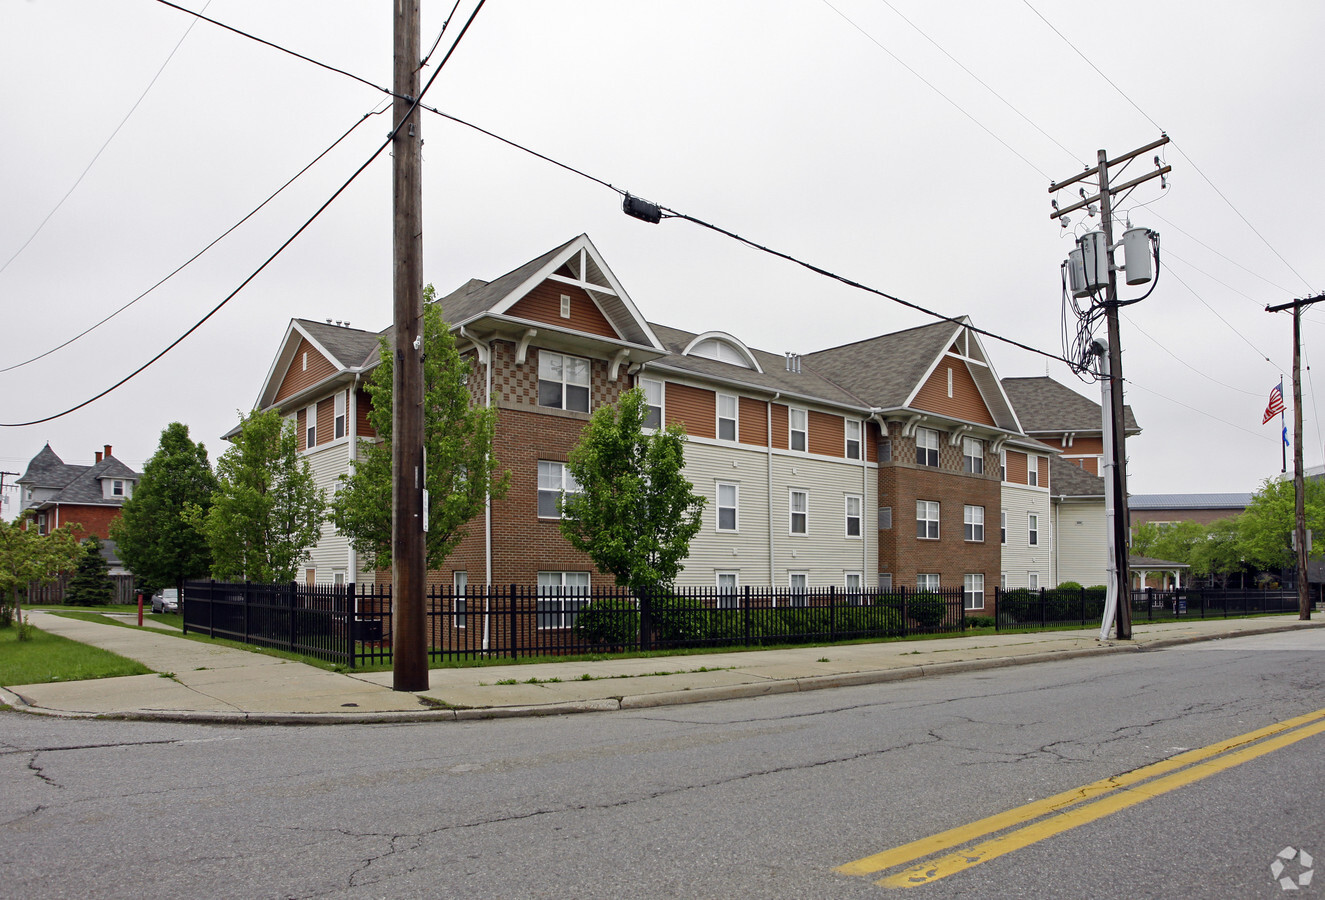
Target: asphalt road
[757,798]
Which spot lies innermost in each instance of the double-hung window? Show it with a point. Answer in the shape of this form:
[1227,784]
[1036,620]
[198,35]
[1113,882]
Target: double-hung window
[973,518]
[799,593]
[1033,530]
[728,587]
[728,496]
[561,595]
[653,399]
[1033,470]
[460,580]
[728,411]
[554,480]
[853,439]
[799,425]
[973,456]
[975,591]
[927,519]
[853,505]
[927,447]
[1002,527]
[340,414]
[310,427]
[800,511]
[563,381]
[927,582]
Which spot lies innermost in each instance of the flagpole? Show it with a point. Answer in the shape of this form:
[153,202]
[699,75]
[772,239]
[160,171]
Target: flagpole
[1283,432]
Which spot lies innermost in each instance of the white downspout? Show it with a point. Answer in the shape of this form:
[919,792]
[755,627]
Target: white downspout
[486,358]
[772,550]
[352,413]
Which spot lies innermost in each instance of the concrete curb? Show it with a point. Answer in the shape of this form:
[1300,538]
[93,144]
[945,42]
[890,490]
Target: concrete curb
[642,701]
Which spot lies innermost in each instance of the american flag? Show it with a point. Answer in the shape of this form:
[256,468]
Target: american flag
[1276,403]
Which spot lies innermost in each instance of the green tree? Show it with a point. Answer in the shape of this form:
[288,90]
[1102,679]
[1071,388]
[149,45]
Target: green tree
[635,513]
[155,539]
[266,513]
[27,556]
[1220,554]
[1265,527]
[461,469]
[1177,541]
[91,584]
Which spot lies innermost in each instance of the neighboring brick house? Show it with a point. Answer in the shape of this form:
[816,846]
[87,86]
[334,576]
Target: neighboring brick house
[1168,509]
[873,463]
[57,493]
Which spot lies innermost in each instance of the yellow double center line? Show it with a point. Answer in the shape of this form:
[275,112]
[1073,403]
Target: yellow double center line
[928,860]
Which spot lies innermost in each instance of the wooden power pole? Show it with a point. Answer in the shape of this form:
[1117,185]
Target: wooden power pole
[1299,488]
[409,645]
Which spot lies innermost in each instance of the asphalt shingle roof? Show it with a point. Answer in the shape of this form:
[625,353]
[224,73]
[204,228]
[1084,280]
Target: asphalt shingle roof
[350,346]
[1189,501]
[884,370]
[1066,479]
[1043,404]
[47,470]
[75,484]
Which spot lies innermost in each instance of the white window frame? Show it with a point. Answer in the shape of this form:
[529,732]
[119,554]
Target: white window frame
[924,583]
[1032,470]
[460,601]
[547,362]
[1002,465]
[975,588]
[1003,527]
[927,447]
[558,604]
[885,581]
[855,446]
[924,520]
[565,306]
[339,429]
[117,487]
[794,415]
[734,506]
[1032,529]
[798,589]
[973,456]
[654,390]
[854,584]
[734,418]
[1033,580]
[310,427]
[729,593]
[856,516]
[973,523]
[803,512]
[565,483]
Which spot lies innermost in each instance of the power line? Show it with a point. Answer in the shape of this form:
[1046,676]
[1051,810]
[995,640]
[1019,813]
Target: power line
[1224,284]
[1176,145]
[340,190]
[1195,410]
[933,88]
[1161,346]
[195,256]
[981,81]
[265,42]
[1189,288]
[97,155]
[433,48]
[1223,256]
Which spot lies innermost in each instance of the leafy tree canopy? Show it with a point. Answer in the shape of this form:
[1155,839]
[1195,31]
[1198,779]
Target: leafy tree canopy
[1266,526]
[155,539]
[91,584]
[635,513]
[266,513]
[461,469]
[26,555]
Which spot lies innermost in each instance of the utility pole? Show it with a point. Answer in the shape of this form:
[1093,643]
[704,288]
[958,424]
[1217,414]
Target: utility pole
[1299,488]
[1104,197]
[409,645]
[2,492]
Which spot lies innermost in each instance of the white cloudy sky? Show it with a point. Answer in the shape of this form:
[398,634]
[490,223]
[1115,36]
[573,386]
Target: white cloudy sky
[834,131]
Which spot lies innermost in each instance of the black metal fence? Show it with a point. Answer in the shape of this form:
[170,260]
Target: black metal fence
[351,624]
[1020,608]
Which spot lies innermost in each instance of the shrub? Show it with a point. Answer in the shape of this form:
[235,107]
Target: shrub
[979,621]
[926,609]
[1069,586]
[609,621]
[677,620]
[91,584]
[1019,605]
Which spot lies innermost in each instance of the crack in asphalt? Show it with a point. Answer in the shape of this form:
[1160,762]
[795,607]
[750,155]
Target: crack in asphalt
[40,772]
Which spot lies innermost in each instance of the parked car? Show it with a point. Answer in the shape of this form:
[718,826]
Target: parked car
[166,600]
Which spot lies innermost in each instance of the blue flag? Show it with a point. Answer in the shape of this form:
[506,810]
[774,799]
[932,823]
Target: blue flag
[1286,444]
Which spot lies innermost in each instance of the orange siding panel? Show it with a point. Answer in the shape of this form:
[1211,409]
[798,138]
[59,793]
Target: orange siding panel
[326,420]
[753,422]
[694,408]
[364,403]
[828,434]
[1043,469]
[965,402]
[298,378]
[301,428]
[1016,467]
[543,304]
[780,425]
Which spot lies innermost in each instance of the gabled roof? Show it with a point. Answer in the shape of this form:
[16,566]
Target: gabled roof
[1043,405]
[1069,480]
[347,349]
[806,384]
[81,484]
[1189,501]
[889,370]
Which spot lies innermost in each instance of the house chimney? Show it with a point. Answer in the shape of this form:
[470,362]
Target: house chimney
[108,451]
[98,456]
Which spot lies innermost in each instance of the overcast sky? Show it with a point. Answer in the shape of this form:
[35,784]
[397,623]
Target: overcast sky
[834,131]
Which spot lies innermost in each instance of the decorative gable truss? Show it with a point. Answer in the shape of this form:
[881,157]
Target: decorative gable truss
[961,385]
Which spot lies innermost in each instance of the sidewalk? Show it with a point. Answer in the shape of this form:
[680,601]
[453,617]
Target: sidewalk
[208,683]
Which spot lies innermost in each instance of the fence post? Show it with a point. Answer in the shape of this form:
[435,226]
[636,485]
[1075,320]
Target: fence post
[1044,621]
[351,623]
[998,606]
[246,617]
[963,619]
[832,612]
[645,620]
[1082,605]
[293,596]
[510,638]
[906,613]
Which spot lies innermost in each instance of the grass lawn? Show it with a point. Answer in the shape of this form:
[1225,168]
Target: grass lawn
[47,657]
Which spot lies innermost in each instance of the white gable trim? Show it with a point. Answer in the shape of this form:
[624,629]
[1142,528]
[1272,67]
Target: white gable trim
[734,342]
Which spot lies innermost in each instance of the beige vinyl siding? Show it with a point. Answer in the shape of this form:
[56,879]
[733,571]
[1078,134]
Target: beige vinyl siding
[824,553]
[1083,551]
[333,550]
[1018,557]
